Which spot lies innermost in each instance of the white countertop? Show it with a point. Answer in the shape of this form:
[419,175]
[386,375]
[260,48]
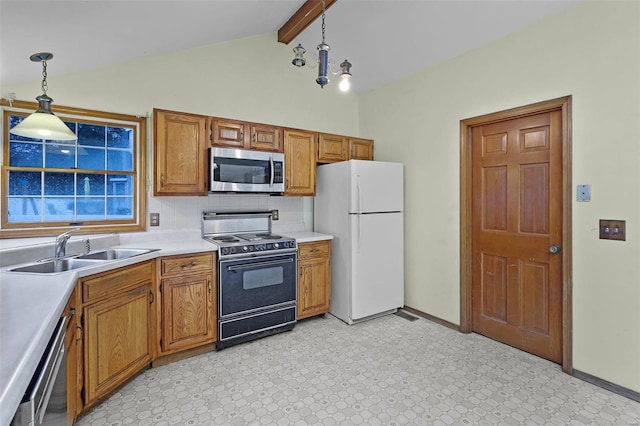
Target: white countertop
[31,304]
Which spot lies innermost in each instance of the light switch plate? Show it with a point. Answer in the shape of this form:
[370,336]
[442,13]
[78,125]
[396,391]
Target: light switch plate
[584,193]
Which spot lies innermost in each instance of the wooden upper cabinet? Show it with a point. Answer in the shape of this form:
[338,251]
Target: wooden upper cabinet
[300,162]
[360,149]
[265,138]
[180,147]
[332,148]
[228,133]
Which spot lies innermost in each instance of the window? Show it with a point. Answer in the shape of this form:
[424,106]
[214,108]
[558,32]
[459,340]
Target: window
[95,182]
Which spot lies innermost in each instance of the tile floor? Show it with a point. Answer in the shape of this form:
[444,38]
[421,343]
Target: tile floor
[387,371]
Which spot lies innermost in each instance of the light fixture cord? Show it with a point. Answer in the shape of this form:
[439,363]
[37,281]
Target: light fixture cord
[44,77]
[323,26]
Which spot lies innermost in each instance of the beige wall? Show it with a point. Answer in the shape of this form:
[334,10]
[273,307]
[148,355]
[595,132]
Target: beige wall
[591,52]
[249,79]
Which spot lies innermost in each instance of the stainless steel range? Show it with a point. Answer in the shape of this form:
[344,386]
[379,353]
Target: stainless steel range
[257,276]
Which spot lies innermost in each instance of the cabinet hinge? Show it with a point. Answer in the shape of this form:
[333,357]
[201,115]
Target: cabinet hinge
[160,288]
[82,393]
[161,342]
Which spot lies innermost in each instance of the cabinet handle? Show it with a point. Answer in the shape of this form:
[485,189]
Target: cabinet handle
[161,180]
[153,298]
[209,284]
[189,266]
[81,333]
[255,138]
[241,136]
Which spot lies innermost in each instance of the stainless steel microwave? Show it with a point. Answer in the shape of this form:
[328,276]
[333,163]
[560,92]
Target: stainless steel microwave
[241,170]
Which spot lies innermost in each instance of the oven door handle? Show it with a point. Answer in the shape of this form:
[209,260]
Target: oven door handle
[253,264]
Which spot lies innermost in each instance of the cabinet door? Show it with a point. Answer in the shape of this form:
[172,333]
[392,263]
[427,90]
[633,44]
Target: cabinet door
[266,138]
[117,341]
[360,149]
[300,164]
[228,133]
[180,147]
[332,148]
[314,287]
[314,278]
[188,313]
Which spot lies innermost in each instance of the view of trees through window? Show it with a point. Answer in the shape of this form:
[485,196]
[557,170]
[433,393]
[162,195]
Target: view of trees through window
[91,179]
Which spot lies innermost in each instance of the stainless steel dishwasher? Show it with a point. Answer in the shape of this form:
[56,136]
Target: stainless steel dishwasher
[45,401]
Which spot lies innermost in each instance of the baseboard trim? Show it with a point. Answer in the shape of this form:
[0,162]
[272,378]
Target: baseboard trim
[597,381]
[431,318]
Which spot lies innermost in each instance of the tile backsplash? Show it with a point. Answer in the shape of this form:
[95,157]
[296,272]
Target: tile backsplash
[295,213]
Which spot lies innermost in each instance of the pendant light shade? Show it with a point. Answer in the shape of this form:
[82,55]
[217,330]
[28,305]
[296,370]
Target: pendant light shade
[43,124]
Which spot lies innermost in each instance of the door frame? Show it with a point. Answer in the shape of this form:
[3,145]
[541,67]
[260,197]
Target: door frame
[562,104]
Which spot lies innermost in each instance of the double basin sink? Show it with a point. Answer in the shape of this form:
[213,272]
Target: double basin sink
[53,266]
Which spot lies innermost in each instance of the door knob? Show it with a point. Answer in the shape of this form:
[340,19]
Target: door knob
[555,249]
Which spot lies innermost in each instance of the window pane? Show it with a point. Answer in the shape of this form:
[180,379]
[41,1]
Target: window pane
[90,208]
[25,154]
[120,207]
[119,185]
[91,135]
[58,184]
[119,160]
[25,183]
[60,156]
[91,158]
[59,208]
[119,137]
[24,209]
[87,184]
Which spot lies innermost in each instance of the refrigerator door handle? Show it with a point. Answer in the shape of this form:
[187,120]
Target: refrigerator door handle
[359,196]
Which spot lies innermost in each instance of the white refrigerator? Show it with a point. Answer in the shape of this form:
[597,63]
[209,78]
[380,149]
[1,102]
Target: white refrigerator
[361,203]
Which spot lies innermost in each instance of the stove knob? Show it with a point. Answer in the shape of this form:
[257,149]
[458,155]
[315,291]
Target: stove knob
[276,245]
[245,248]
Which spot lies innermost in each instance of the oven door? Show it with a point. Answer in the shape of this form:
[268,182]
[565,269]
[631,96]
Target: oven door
[251,284]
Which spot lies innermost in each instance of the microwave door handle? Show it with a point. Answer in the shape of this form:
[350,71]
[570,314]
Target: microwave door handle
[271,178]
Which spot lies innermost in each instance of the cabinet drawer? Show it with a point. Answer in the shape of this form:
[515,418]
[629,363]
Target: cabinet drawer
[314,250]
[108,283]
[184,264]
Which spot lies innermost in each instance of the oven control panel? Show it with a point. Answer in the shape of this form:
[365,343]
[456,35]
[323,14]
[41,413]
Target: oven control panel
[257,247]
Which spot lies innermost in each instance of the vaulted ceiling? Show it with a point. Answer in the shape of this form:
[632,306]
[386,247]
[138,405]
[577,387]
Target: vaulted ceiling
[383,39]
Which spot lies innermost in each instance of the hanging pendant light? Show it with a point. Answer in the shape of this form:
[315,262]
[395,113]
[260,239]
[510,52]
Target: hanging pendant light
[43,124]
[324,65]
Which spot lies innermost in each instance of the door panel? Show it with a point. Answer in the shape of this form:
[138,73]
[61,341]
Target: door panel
[517,205]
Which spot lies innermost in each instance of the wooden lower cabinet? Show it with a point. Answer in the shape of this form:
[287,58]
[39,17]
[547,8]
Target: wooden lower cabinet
[314,278]
[118,328]
[187,308]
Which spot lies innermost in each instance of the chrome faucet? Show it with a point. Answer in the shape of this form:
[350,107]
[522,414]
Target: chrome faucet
[61,243]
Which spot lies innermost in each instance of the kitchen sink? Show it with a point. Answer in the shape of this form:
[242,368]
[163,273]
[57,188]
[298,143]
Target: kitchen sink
[55,266]
[114,254]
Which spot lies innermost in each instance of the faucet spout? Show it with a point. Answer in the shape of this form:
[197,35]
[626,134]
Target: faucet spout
[61,243]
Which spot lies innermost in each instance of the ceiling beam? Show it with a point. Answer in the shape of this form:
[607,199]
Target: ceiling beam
[308,12]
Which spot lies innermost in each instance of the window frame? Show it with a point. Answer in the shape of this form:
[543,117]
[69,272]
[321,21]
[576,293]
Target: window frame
[85,116]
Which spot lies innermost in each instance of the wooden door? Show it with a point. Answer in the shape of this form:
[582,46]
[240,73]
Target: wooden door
[180,153]
[117,341]
[266,138]
[188,315]
[360,149]
[517,216]
[314,278]
[300,162]
[332,148]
